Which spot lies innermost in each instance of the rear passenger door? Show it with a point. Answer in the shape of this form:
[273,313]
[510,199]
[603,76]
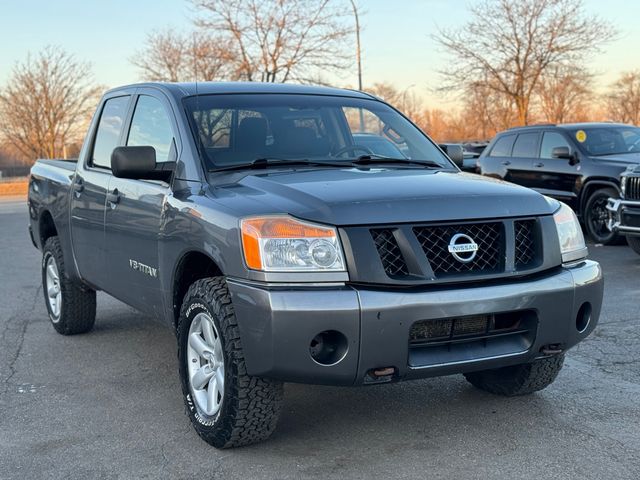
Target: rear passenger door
[135,209]
[556,177]
[524,153]
[511,158]
[90,189]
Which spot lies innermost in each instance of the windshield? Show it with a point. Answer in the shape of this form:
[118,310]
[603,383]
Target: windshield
[239,129]
[608,140]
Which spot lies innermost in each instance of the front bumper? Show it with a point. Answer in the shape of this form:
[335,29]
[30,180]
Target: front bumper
[277,324]
[624,216]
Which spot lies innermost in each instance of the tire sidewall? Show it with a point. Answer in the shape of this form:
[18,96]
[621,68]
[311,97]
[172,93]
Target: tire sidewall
[50,253]
[201,422]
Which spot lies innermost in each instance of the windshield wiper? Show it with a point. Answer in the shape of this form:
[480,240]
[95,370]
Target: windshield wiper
[370,159]
[275,162]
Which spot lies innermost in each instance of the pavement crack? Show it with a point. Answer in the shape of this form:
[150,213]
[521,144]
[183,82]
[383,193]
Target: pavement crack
[20,341]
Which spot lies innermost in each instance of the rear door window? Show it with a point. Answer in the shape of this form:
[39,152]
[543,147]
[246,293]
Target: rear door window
[526,146]
[503,146]
[109,131]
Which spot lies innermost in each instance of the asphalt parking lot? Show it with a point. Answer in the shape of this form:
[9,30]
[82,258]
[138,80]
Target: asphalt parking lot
[107,404]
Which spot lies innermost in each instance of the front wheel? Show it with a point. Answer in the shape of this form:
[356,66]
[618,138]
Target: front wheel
[634,243]
[596,217]
[227,407]
[518,379]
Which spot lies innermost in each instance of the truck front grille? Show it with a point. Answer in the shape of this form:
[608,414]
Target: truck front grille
[435,242]
[428,246]
[633,188]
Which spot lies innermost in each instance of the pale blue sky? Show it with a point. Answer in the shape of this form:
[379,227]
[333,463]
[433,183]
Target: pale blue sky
[396,38]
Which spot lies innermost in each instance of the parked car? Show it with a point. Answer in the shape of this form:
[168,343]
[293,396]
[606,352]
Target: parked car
[279,250]
[625,211]
[579,164]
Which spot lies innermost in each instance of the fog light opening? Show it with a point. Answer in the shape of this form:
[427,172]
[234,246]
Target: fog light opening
[328,347]
[584,317]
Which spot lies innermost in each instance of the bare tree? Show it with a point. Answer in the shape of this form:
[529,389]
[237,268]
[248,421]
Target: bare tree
[563,93]
[169,56]
[279,40]
[623,100]
[513,43]
[46,103]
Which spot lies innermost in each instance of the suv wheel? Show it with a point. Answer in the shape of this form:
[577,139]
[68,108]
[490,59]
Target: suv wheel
[596,217]
[227,407]
[71,306]
[634,243]
[518,379]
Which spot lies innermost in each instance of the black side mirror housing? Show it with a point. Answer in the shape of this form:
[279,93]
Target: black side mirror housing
[139,163]
[455,152]
[561,152]
[565,153]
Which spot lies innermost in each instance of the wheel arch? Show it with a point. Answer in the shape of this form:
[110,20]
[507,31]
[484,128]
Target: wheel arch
[591,186]
[193,265]
[46,227]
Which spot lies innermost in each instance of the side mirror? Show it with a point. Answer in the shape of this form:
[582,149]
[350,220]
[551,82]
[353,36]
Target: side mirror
[139,163]
[561,152]
[564,153]
[455,152]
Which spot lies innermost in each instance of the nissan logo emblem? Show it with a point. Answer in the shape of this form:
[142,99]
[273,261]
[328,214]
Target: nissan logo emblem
[463,248]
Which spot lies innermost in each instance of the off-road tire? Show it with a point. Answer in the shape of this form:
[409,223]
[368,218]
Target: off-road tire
[598,200]
[251,405]
[78,306]
[518,379]
[634,243]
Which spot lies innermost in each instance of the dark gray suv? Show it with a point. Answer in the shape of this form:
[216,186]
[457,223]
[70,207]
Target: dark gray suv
[578,164]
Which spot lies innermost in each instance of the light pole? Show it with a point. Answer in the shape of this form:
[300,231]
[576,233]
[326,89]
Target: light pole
[358,51]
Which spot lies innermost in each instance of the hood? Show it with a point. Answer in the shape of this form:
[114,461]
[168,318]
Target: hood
[620,158]
[357,196]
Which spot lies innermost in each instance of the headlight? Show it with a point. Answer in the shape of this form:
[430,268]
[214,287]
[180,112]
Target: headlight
[572,244]
[284,244]
[623,185]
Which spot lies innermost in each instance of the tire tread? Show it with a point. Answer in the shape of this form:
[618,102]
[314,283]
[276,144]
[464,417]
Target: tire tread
[78,312]
[253,404]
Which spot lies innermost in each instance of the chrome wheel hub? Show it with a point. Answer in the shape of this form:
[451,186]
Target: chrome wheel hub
[54,292]
[205,364]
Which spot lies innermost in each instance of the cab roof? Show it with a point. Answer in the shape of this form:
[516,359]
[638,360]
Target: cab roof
[181,90]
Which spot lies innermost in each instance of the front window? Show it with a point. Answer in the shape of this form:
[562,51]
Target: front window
[238,129]
[608,140]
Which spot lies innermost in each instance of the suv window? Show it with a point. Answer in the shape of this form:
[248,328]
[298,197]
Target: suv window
[503,146]
[109,130]
[551,140]
[526,145]
[151,126]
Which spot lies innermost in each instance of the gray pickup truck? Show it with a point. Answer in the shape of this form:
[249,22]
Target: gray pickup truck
[253,221]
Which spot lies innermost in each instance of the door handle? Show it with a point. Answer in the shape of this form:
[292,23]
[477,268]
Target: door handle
[506,163]
[538,165]
[113,197]
[78,186]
